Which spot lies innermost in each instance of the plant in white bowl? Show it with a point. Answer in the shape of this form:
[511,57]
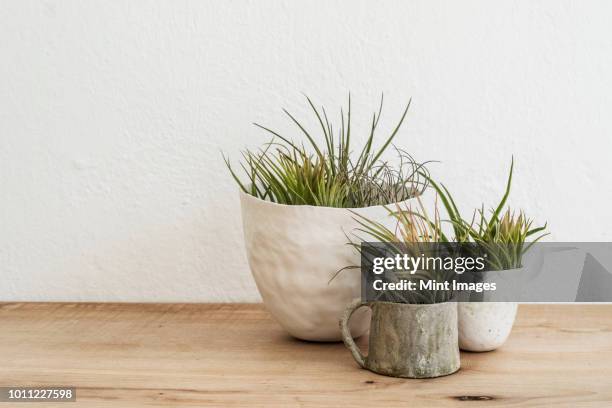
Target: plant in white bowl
[503,236]
[295,199]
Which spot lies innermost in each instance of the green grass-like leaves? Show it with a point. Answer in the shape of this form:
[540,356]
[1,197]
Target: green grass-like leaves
[329,174]
[415,233]
[502,234]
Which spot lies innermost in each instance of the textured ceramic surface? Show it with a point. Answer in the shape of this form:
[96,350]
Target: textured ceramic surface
[485,326]
[413,341]
[293,252]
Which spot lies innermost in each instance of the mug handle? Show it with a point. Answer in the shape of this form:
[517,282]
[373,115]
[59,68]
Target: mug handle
[346,331]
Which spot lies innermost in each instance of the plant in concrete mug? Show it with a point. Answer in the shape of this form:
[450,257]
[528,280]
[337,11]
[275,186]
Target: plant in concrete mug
[415,233]
[414,333]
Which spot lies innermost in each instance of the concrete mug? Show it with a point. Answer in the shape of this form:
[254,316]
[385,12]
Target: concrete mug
[407,340]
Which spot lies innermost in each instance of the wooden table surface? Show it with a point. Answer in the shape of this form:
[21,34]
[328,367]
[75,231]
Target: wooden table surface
[225,355]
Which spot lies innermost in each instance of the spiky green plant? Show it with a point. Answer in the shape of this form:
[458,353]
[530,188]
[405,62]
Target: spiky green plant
[416,233]
[502,235]
[330,174]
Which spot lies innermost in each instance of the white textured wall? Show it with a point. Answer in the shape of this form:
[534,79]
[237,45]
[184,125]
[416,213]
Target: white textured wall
[113,114]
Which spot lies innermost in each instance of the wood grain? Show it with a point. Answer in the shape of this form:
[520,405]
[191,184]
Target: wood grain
[226,355]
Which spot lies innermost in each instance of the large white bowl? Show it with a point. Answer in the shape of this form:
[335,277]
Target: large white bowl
[294,251]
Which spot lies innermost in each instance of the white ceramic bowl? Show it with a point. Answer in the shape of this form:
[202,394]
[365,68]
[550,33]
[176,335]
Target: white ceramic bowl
[294,251]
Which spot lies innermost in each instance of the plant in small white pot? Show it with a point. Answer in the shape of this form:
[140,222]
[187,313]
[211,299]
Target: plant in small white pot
[501,236]
[295,199]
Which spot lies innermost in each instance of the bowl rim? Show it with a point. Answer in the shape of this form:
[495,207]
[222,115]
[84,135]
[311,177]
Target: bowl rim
[251,197]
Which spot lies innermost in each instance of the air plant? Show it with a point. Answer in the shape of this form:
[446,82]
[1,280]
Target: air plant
[330,174]
[502,235]
[415,234]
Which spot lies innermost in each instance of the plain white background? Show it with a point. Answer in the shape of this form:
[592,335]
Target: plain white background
[113,116]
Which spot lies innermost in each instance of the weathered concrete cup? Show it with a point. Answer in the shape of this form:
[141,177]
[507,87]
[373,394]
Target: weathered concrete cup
[407,340]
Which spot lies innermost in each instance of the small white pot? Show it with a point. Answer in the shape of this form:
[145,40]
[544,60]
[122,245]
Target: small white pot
[485,326]
[294,251]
